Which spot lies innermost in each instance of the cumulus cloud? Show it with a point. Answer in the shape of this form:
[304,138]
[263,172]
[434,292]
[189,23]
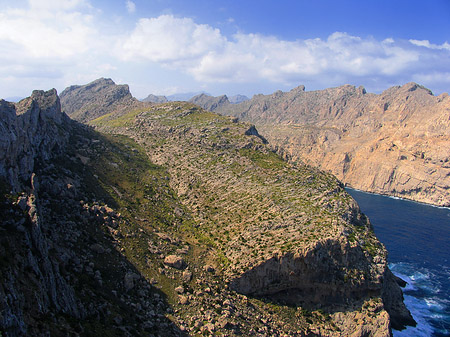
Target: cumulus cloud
[48,43]
[209,56]
[173,41]
[43,31]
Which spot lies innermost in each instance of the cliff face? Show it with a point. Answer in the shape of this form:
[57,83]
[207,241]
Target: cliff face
[393,143]
[53,242]
[31,128]
[31,131]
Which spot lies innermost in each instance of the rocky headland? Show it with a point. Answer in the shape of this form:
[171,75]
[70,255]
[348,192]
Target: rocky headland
[393,143]
[174,221]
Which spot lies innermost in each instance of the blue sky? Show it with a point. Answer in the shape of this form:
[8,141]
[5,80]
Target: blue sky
[231,47]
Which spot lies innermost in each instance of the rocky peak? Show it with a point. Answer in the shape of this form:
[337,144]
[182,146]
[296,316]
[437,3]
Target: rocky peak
[155,99]
[300,88]
[44,104]
[412,86]
[30,130]
[236,99]
[209,102]
[90,101]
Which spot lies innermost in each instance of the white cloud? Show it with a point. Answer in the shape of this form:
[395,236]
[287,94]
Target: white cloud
[131,6]
[57,5]
[427,44]
[172,41]
[45,32]
[206,54]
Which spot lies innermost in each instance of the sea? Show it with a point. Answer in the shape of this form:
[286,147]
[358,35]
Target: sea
[417,237]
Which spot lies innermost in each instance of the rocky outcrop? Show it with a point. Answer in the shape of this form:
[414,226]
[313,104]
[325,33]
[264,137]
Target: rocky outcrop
[317,276]
[393,143]
[87,102]
[32,128]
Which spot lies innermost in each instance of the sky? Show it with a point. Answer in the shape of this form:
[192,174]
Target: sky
[228,47]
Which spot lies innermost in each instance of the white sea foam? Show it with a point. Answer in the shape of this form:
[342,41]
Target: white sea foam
[429,311]
[420,311]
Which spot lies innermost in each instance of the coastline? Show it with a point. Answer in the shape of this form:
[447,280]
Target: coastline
[396,197]
[416,238]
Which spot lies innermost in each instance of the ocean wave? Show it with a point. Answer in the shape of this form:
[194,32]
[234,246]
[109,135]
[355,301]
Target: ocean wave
[422,297]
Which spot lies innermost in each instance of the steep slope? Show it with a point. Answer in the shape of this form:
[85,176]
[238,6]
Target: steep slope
[278,233]
[68,263]
[86,102]
[394,143]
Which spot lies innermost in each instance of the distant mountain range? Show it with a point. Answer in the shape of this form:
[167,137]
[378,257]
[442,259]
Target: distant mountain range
[394,143]
[189,97]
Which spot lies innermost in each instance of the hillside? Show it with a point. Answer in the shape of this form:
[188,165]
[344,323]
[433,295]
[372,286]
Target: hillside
[263,218]
[394,143]
[177,221]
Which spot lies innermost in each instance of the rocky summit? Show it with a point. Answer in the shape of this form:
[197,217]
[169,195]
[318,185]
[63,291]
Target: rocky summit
[394,143]
[170,220]
[85,102]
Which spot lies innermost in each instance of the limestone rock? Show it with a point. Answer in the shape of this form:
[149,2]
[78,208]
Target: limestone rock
[175,261]
[87,102]
[129,280]
[187,276]
[29,128]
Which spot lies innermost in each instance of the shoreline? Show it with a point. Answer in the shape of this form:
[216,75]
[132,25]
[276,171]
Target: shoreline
[397,198]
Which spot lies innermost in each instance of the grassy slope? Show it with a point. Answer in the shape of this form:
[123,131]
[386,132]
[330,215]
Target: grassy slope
[239,199]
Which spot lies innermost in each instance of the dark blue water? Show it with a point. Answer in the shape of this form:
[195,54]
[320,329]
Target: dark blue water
[417,237]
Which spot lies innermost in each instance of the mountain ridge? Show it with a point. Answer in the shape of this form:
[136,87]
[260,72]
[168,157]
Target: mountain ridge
[391,143]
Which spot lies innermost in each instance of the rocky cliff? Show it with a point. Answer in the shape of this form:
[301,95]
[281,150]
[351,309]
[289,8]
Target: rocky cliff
[32,128]
[394,143]
[86,102]
[60,269]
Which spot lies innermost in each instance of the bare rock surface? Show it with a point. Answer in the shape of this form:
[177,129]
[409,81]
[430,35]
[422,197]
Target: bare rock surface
[102,96]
